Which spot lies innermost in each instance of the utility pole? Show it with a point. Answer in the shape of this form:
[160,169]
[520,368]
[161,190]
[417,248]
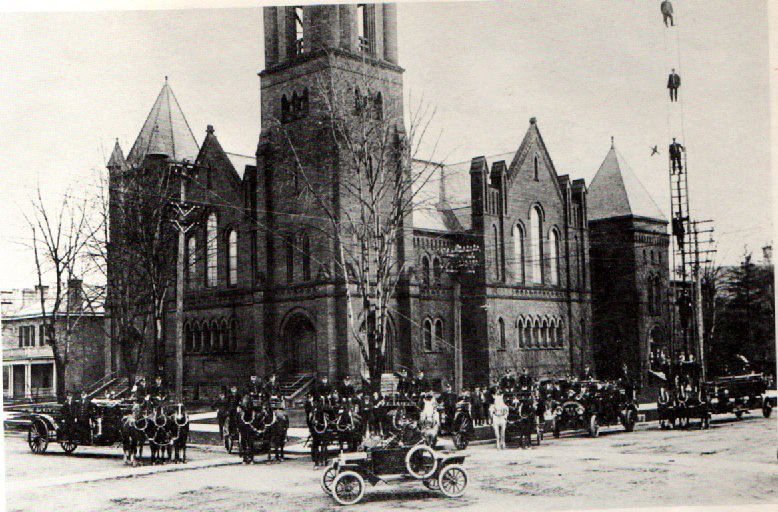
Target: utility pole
[460,260]
[697,260]
[182,220]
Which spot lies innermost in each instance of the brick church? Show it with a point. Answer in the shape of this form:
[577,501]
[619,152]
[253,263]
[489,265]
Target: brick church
[567,277]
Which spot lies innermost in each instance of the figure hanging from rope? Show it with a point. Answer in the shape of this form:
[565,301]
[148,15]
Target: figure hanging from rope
[673,83]
[676,149]
[667,13]
[654,150]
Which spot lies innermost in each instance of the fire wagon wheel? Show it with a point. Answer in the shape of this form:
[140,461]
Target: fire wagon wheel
[421,462]
[68,446]
[594,426]
[767,408]
[461,440]
[629,420]
[453,480]
[227,436]
[327,479]
[348,488]
[38,437]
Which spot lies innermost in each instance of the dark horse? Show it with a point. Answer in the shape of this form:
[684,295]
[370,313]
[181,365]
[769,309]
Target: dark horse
[261,424]
[330,424]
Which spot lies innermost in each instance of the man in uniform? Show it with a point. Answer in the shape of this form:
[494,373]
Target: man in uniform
[525,381]
[222,410]
[667,13]
[508,381]
[70,412]
[347,391]
[139,391]
[256,387]
[403,384]
[158,392]
[321,388]
[673,83]
[88,415]
[676,149]
[421,385]
[272,387]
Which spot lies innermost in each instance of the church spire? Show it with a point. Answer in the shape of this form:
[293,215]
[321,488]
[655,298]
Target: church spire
[116,161]
[165,132]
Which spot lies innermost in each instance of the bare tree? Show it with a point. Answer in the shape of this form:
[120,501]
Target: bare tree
[377,189]
[59,243]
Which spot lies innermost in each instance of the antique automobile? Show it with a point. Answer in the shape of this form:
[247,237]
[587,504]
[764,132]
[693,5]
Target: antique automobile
[345,477]
[590,405]
[525,417]
[739,394]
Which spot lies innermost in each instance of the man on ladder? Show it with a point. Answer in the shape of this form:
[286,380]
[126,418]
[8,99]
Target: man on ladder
[673,83]
[676,150]
[667,13]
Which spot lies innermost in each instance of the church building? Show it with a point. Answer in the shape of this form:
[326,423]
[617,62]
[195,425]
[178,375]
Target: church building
[262,294]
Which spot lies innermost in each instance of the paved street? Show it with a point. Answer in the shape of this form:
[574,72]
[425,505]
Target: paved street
[733,463]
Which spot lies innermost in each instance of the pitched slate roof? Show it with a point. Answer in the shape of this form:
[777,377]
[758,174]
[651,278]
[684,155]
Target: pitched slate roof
[117,160]
[616,191]
[165,132]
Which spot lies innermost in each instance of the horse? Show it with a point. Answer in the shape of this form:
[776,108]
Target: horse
[131,436]
[180,423]
[429,421]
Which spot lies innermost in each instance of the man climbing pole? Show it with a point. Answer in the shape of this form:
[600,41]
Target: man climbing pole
[675,156]
[667,13]
[673,83]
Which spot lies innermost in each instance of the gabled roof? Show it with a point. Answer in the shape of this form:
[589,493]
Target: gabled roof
[165,132]
[117,160]
[616,191]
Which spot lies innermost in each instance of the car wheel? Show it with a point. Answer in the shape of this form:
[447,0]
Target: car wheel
[348,488]
[38,437]
[327,478]
[68,446]
[453,480]
[767,409]
[421,462]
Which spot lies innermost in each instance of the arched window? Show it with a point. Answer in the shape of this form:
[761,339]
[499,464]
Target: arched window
[518,252]
[212,242]
[536,243]
[216,337]
[520,332]
[560,341]
[191,255]
[537,342]
[232,257]
[501,328]
[657,295]
[188,339]
[437,271]
[289,259]
[198,337]
[206,337]
[536,168]
[496,241]
[650,300]
[553,256]
[438,331]
[425,270]
[528,333]
[224,335]
[427,335]
[305,242]
[304,101]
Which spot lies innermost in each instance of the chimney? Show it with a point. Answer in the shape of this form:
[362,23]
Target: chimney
[75,295]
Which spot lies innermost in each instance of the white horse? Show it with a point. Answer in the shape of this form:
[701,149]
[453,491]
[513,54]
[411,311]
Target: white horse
[499,413]
[429,421]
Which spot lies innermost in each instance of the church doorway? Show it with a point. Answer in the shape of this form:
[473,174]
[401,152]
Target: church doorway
[299,345]
[658,354]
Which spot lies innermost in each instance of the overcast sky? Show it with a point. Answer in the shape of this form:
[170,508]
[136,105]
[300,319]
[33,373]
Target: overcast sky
[73,82]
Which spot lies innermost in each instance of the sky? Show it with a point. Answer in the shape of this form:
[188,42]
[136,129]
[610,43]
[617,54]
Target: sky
[72,83]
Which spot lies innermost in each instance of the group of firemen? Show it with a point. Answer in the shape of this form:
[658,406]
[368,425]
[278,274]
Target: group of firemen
[258,389]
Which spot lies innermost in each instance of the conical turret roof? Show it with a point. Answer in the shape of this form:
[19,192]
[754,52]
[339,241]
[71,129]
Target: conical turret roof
[617,192]
[165,132]
[117,160]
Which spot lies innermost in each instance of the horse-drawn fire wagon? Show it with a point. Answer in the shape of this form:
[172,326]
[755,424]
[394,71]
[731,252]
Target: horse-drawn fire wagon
[592,404]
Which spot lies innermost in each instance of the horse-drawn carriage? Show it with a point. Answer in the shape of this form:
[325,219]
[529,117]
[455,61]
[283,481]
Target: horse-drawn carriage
[588,405]
[165,428]
[457,422]
[259,424]
[50,424]
[333,421]
[346,475]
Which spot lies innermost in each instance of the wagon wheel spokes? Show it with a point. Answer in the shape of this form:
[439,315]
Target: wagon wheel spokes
[38,437]
[453,480]
[68,446]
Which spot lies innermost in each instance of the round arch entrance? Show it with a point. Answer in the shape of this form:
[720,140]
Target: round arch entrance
[299,345]
[657,348]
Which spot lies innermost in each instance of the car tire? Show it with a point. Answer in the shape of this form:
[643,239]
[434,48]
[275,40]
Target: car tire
[348,488]
[452,480]
[420,462]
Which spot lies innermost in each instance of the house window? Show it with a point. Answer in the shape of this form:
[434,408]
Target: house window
[496,236]
[42,335]
[518,252]
[536,244]
[232,257]
[553,256]
[212,241]
[501,328]
[427,335]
